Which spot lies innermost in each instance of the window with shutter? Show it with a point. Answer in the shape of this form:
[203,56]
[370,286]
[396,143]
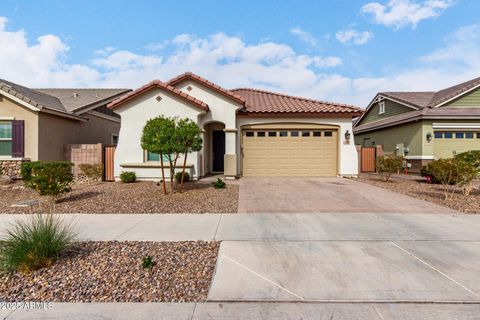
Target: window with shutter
[5,138]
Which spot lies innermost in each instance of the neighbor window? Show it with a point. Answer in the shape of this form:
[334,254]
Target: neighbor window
[447,135]
[261,134]
[328,134]
[294,134]
[305,133]
[459,135]
[469,135]
[272,133]
[249,133]
[478,135]
[317,133]
[5,138]
[283,133]
[381,106]
[114,139]
[151,156]
[438,135]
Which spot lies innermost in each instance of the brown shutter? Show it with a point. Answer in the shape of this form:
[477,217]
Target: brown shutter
[18,138]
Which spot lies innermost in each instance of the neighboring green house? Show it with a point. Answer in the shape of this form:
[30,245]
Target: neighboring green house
[423,126]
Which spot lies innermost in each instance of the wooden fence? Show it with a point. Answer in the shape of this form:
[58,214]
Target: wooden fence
[108,161]
[368,158]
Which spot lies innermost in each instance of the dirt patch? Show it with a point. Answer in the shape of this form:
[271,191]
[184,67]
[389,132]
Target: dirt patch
[417,187]
[113,272]
[117,197]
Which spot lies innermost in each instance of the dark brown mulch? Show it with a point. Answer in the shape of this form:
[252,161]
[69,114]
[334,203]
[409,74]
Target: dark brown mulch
[417,187]
[113,272]
[117,197]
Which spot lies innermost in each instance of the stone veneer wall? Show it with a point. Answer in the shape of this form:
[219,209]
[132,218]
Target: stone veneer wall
[83,154]
[11,168]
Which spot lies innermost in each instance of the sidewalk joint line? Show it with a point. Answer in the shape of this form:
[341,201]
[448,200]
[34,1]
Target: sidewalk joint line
[312,234]
[218,225]
[131,228]
[435,269]
[263,278]
[194,309]
[379,314]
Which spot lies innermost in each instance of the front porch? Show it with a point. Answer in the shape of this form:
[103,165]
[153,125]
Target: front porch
[218,154]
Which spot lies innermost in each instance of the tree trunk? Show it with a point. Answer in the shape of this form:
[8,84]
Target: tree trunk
[183,171]
[163,175]
[172,172]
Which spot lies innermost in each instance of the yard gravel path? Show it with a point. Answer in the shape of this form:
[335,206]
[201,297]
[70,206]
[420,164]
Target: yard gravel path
[112,272]
[139,197]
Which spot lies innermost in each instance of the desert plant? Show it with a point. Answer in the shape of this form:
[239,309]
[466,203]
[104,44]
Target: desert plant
[92,172]
[219,184]
[35,243]
[467,172]
[388,165]
[148,263]
[49,178]
[446,172]
[128,176]
[470,157]
[179,175]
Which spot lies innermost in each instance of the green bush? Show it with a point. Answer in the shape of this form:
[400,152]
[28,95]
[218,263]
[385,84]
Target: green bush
[219,184]
[178,177]
[470,157]
[93,172]
[447,172]
[388,165]
[148,263]
[35,243]
[48,178]
[128,176]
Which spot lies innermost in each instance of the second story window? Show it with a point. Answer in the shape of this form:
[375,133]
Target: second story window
[381,109]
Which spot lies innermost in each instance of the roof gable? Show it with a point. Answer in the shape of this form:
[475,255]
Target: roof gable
[160,85]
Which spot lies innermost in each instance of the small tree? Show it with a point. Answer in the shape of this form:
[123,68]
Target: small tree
[156,137]
[189,139]
[388,165]
[446,172]
[49,178]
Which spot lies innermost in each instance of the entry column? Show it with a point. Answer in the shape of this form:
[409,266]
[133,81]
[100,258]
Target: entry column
[230,158]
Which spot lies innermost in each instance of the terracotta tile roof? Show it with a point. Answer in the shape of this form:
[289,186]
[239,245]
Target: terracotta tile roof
[158,84]
[74,99]
[205,82]
[261,101]
[417,99]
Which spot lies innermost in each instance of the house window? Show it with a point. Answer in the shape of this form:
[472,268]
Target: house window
[328,134]
[305,133]
[294,134]
[283,133]
[459,135]
[5,138]
[381,109]
[114,139]
[478,135]
[317,133]
[250,133]
[468,135]
[261,134]
[438,135]
[272,133]
[447,135]
[151,156]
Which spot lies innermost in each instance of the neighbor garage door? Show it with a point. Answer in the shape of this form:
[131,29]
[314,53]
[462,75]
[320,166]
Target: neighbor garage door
[290,151]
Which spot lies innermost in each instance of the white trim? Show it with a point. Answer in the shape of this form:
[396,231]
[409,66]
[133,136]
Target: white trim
[103,116]
[457,96]
[381,107]
[7,118]
[20,101]
[455,126]
[419,157]
[10,158]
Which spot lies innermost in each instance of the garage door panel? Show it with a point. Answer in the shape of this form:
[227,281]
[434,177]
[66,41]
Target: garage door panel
[302,155]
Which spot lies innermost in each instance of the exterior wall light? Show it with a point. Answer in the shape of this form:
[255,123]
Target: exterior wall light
[347,136]
[429,136]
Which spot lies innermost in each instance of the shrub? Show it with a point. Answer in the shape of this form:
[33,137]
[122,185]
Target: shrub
[49,178]
[128,176]
[447,172]
[35,243]
[388,165]
[470,157]
[219,184]
[92,172]
[148,263]
[178,177]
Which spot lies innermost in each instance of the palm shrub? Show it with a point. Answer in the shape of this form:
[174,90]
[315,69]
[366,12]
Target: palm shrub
[388,165]
[35,243]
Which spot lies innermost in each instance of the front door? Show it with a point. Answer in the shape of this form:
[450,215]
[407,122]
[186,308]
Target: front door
[218,150]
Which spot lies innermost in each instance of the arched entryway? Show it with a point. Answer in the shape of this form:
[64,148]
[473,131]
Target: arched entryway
[214,144]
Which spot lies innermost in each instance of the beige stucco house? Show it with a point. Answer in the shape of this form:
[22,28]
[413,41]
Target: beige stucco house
[36,124]
[425,125]
[246,132]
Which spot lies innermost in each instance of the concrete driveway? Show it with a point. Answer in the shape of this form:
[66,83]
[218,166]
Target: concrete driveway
[300,194]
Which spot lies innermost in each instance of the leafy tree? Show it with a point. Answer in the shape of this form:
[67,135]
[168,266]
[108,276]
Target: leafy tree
[189,139]
[159,137]
[388,165]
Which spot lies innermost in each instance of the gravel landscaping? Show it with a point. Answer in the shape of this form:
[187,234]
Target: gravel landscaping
[139,197]
[416,186]
[113,272]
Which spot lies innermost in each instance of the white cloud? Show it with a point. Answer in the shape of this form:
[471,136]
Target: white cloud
[401,13]
[304,36]
[353,36]
[231,62]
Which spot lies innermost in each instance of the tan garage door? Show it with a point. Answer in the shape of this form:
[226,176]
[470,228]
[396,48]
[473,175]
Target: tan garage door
[290,152]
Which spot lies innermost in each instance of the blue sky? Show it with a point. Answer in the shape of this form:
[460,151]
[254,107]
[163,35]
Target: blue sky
[340,50]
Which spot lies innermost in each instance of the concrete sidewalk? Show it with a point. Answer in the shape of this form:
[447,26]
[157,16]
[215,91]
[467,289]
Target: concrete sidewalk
[248,311]
[280,227]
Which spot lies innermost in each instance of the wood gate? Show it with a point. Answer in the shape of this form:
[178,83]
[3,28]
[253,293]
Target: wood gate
[368,158]
[108,160]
